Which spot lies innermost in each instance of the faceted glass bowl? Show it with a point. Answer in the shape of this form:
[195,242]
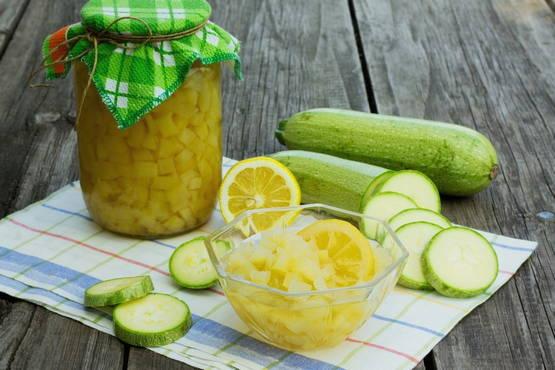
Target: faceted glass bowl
[305,320]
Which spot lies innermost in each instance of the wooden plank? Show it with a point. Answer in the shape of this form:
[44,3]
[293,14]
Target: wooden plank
[15,317]
[488,65]
[37,157]
[65,344]
[141,358]
[10,13]
[39,142]
[420,366]
[295,58]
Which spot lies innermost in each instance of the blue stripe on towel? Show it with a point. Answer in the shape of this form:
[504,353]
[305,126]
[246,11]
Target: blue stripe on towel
[204,331]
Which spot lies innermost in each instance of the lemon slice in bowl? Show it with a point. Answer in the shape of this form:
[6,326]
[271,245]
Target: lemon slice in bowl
[255,183]
[345,248]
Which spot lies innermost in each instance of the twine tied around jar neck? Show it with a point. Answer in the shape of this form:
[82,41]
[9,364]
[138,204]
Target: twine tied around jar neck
[116,39]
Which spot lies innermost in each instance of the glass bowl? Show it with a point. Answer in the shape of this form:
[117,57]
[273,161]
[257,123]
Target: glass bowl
[313,319]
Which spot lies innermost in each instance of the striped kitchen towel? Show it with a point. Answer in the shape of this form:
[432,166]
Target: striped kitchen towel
[51,251]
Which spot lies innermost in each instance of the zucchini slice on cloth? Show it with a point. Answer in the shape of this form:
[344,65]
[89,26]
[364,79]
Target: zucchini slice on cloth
[459,262]
[414,236]
[417,215]
[116,291]
[151,321]
[190,265]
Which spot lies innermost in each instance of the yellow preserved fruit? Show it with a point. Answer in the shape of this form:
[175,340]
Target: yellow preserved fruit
[302,323]
[307,315]
[160,176]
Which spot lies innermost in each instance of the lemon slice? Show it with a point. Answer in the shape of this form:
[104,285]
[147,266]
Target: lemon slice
[350,254]
[255,183]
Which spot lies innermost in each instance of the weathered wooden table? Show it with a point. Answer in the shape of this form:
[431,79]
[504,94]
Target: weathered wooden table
[486,64]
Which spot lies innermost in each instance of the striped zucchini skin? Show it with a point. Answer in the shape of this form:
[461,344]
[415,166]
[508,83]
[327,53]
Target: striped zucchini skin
[459,160]
[330,180]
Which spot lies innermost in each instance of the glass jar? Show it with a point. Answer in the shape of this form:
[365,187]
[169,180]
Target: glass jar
[161,176]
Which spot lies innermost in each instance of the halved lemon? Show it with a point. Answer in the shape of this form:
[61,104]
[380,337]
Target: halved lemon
[348,250]
[255,183]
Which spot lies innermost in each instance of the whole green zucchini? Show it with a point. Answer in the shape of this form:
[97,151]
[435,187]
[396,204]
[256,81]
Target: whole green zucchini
[330,180]
[459,160]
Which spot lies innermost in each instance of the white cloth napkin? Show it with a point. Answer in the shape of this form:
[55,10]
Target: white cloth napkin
[51,251]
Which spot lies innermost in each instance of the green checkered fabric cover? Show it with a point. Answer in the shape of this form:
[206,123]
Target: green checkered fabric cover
[163,16]
[134,79]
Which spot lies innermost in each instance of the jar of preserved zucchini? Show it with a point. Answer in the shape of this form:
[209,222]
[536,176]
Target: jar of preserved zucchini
[149,116]
[161,175]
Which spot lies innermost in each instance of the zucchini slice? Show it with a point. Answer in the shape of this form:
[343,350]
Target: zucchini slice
[418,214]
[116,291]
[383,206]
[190,265]
[370,190]
[414,185]
[459,262]
[152,321]
[414,236]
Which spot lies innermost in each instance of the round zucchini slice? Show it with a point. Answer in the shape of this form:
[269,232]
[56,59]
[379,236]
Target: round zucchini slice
[415,185]
[190,265]
[151,321]
[383,206]
[116,291]
[417,215]
[414,236]
[370,191]
[459,262]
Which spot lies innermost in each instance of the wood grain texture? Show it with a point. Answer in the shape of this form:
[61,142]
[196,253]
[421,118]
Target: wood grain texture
[10,13]
[15,318]
[38,157]
[38,154]
[488,65]
[143,359]
[420,366]
[294,58]
[55,342]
